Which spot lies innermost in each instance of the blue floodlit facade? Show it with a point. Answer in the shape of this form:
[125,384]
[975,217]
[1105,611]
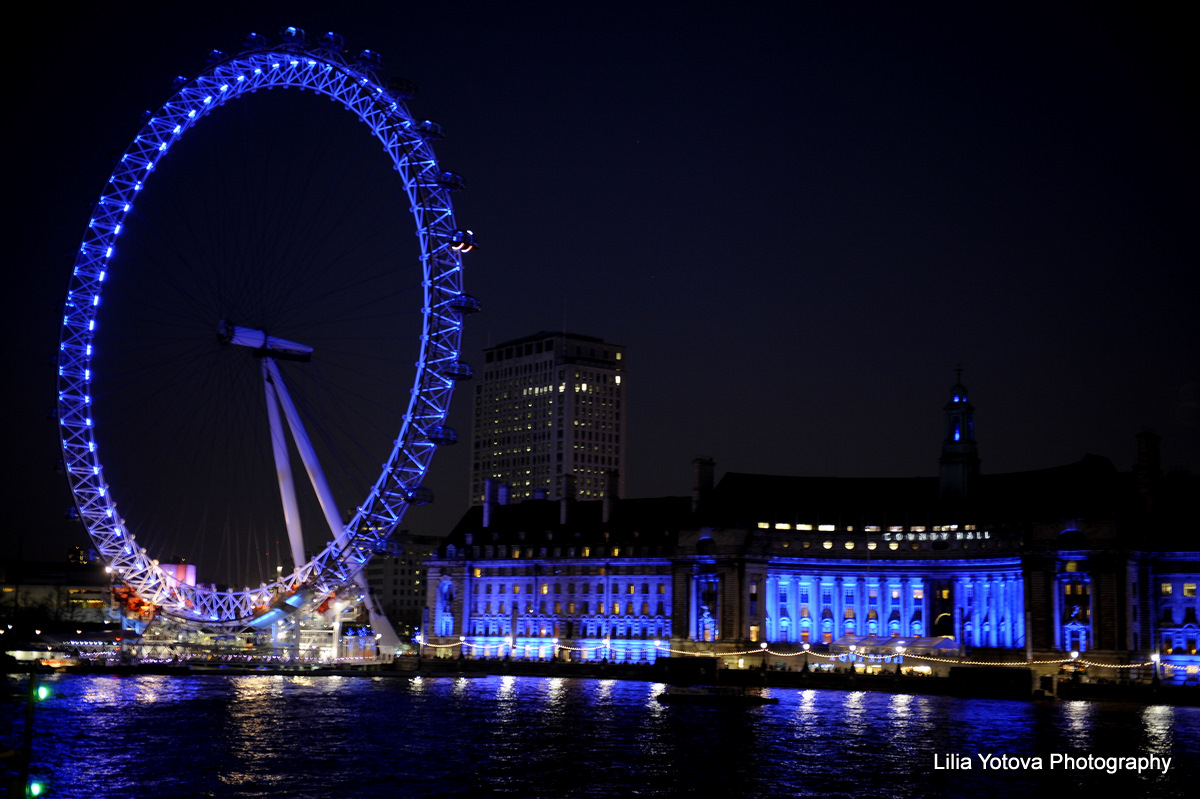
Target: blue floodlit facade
[1079,558]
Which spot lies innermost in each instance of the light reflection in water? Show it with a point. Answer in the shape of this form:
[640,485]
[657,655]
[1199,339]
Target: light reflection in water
[546,738]
[1078,715]
[1158,725]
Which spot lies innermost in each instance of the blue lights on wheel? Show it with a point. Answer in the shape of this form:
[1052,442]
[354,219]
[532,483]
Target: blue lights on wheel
[324,69]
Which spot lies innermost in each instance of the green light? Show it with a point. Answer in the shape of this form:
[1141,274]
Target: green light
[43,692]
[37,788]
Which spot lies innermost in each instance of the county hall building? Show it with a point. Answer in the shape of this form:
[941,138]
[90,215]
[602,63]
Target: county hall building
[1079,558]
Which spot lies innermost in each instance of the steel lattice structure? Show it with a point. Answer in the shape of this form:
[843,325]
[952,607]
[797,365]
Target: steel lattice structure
[325,69]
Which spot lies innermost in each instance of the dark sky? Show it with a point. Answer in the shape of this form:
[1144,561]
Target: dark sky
[797,217]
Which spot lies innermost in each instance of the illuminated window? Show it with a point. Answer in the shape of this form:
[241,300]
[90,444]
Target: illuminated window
[557,607]
[1165,589]
[1071,566]
[475,573]
[616,608]
[516,589]
[893,545]
[545,588]
[825,528]
[945,593]
[918,593]
[849,545]
[827,544]
[783,526]
[1189,589]
[630,588]
[587,552]
[764,525]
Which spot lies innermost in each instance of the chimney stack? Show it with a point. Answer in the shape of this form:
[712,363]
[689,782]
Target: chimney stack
[489,494]
[612,482]
[567,498]
[702,480]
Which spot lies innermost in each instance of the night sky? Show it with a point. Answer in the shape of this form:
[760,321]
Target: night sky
[799,219]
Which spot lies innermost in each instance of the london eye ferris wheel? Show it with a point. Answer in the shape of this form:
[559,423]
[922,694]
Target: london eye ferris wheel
[267,312]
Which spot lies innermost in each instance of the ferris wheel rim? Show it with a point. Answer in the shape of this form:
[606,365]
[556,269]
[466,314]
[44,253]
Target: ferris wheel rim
[323,69]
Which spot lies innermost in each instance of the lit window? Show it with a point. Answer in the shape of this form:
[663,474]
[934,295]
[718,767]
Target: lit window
[893,545]
[825,528]
[849,545]
[918,593]
[764,525]
[1189,589]
[827,544]
[1165,589]
[782,526]
[545,588]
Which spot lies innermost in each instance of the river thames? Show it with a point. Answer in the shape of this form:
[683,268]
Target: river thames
[329,736]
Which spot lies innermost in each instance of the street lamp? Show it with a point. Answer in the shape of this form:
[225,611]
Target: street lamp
[1155,658]
[804,646]
[899,655]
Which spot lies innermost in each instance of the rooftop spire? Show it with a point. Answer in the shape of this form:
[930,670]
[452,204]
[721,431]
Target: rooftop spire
[960,456]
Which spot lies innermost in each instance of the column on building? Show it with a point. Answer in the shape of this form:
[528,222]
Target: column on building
[960,609]
[1018,611]
[860,607]
[771,608]
[839,608]
[981,608]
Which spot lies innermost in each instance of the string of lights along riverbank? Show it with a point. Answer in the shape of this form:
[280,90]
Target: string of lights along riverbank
[987,761]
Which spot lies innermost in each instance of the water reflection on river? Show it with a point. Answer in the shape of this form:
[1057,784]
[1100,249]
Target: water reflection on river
[301,736]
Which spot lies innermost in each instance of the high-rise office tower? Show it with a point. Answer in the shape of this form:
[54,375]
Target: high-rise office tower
[550,419]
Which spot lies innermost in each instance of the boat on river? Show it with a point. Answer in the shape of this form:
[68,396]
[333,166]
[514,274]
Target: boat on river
[714,695]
